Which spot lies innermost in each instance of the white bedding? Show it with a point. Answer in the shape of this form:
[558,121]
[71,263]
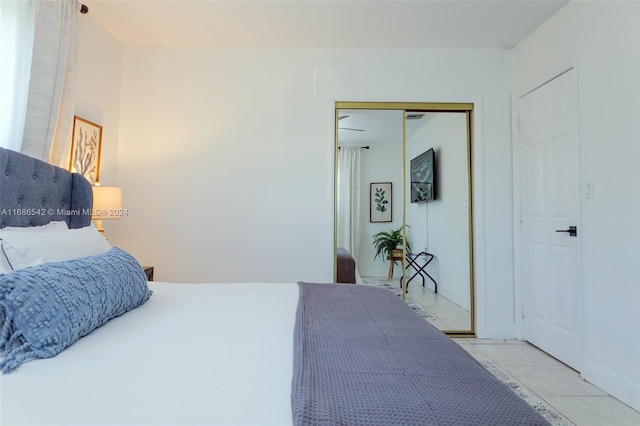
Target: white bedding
[194,354]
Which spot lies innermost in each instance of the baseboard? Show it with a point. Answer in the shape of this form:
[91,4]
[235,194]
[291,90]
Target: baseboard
[616,386]
[499,331]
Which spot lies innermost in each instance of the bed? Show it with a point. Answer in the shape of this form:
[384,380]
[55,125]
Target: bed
[227,354]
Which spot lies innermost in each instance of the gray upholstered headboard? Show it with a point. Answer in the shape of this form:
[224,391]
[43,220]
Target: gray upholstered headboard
[34,193]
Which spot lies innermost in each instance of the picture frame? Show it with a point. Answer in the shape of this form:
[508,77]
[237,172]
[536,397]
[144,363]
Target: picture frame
[380,206]
[86,144]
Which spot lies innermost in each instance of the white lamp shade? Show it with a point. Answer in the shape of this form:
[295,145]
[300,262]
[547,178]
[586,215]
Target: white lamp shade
[107,202]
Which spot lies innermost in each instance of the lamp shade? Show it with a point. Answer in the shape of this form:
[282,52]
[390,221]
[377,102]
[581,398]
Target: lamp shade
[107,202]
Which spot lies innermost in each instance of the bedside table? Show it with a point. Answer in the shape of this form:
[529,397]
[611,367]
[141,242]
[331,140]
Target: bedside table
[148,271]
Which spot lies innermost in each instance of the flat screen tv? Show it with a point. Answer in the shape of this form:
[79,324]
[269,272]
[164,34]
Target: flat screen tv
[424,186]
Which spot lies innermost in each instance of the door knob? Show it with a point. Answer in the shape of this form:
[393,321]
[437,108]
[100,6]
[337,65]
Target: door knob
[573,231]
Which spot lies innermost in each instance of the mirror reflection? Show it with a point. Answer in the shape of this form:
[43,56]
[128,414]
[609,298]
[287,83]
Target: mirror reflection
[410,187]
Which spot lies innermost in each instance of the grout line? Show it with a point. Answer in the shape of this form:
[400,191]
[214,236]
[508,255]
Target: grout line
[501,368]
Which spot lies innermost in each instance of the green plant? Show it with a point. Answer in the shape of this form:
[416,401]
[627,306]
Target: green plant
[385,242]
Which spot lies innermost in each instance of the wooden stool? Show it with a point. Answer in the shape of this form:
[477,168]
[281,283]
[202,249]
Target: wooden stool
[392,262]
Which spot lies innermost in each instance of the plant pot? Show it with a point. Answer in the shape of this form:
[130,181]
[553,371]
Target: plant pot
[396,253]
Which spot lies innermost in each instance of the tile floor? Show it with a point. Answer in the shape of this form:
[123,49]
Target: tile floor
[446,314]
[575,400]
[561,387]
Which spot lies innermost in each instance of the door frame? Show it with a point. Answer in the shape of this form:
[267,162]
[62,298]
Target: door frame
[476,171]
[517,195]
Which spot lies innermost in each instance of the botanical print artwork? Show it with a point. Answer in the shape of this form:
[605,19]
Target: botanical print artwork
[380,202]
[85,149]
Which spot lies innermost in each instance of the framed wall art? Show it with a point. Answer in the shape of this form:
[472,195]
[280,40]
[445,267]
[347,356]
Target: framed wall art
[85,149]
[380,202]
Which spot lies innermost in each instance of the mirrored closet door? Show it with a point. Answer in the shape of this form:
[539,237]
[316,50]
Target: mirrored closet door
[403,177]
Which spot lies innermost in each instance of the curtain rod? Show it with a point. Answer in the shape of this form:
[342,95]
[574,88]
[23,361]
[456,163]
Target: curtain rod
[84,9]
[361,147]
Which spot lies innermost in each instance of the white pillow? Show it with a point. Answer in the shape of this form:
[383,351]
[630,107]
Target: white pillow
[51,226]
[27,248]
[4,263]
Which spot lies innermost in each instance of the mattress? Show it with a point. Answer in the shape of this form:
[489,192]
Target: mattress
[169,362]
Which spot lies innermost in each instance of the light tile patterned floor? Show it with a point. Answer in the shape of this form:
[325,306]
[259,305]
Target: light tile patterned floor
[579,402]
[446,314]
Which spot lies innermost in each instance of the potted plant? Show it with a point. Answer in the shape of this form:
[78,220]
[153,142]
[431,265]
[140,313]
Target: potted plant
[386,242]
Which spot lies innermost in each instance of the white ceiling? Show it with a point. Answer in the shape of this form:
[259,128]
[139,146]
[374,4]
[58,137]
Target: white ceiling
[378,127]
[437,24]
[456,24]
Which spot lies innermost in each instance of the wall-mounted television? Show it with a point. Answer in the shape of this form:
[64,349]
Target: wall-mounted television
[424,185]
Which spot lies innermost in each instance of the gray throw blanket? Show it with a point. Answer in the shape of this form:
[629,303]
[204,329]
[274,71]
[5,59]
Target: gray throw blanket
[362,357]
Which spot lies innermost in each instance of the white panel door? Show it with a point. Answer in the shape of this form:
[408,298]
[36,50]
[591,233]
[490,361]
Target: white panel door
[550,197]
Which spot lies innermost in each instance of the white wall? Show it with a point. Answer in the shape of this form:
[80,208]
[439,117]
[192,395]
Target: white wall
[602,39]
[441,227]
[381,163]
[98,92]
[226,157]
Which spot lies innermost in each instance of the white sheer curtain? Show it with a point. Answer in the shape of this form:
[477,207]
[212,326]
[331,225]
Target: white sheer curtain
[16,45]
[51,101]
[349,228]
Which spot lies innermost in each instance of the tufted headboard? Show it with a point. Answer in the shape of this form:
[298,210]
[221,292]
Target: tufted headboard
[34,193]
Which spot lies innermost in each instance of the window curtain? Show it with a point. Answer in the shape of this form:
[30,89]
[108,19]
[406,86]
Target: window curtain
[349,228]
[17,20]
[51,99]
